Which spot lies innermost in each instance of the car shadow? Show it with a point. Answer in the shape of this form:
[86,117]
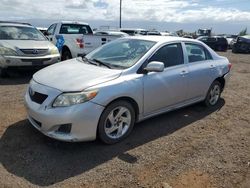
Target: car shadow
[17,77]
[42,161]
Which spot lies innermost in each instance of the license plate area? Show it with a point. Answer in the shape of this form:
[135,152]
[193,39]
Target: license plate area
[37,62]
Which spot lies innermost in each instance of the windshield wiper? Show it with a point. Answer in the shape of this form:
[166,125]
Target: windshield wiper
[101,63]
[90,62]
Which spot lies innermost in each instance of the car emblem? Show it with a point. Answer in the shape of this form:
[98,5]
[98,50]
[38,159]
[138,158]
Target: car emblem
[31,92]
[35,51]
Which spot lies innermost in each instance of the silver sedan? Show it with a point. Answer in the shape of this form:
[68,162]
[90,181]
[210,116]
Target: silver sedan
[123,82]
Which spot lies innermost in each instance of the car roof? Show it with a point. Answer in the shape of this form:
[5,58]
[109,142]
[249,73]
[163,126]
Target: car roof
[74,22]
[162,39]
[6,23]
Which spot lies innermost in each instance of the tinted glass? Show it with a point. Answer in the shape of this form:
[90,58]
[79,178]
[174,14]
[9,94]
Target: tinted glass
[170,55]
[197,53]
[75,29]
[20,33]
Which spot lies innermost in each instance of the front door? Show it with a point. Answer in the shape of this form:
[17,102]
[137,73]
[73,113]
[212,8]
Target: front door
[167,88]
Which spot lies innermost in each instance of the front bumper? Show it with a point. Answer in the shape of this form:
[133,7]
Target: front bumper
[83,118]
[24,61]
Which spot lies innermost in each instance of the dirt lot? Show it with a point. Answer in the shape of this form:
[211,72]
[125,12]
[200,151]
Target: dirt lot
[193,147]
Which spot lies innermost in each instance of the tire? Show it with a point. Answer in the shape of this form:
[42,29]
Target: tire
[213,94]
[114,129]
[3,73]
[234,50]
[66,55]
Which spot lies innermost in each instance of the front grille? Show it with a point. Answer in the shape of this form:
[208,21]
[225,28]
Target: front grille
[34,51]
[37,97]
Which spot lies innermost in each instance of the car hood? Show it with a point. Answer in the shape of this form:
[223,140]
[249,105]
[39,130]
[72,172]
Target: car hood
[74,75]
[26,44]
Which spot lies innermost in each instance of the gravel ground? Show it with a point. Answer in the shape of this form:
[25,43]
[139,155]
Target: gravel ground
[193,147]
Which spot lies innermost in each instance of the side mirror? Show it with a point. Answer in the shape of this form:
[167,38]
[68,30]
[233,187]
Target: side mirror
[155,66]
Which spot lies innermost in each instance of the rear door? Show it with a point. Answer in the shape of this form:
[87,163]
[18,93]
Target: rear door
[163,89]
[201,70]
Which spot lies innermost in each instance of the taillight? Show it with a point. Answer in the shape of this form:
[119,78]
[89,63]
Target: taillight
[80,43]
[230,66]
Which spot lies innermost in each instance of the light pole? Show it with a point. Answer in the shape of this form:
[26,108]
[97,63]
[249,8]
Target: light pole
[120,13]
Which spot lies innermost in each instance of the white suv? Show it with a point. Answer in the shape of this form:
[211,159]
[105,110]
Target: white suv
[22,45]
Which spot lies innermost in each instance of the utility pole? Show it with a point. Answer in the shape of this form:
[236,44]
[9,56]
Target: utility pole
[120,13]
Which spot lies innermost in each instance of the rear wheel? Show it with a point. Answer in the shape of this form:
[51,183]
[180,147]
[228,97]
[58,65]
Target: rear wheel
[66,55]
[213,94]
[116,122]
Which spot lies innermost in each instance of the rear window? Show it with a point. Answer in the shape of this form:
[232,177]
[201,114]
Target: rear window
[75,29]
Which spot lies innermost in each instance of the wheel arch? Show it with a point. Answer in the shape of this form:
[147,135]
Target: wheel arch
[121,98]
[131,101]
[65,48]
[222,81]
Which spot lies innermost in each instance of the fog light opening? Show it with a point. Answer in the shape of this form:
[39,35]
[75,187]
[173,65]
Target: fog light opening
[65,128]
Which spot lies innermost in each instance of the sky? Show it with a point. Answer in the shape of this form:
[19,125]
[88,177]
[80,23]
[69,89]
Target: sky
[223,16]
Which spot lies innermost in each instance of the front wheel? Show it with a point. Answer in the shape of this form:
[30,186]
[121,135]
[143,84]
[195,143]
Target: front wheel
[213,94]
[66,55]
[116,122]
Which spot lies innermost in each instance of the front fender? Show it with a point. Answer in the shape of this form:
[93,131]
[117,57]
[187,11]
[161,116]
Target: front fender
[120,87]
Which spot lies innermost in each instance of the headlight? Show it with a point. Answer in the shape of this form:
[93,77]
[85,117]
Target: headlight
[68,99]
[7,51]
[54,50]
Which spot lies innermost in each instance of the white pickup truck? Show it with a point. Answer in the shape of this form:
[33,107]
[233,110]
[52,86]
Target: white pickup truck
[75,39]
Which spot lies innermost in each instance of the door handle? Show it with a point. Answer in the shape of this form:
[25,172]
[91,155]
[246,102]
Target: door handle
[211,66]
[183,72]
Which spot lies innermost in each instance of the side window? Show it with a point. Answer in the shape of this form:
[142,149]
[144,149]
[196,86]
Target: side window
[51,29]
[170,55]
[197,52]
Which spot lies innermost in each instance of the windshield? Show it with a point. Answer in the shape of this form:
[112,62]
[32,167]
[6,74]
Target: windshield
[121,53]
[20,33]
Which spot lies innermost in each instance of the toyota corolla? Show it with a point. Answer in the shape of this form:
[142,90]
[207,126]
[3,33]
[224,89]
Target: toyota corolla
[123,82]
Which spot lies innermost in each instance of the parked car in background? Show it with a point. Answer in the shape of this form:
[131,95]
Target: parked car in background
[110,32]
[187,36]
[173,34]
[125,81]
[153,33]
[230,39]
[204,32]
[134,31]
[75,39]
[217,43]
[42,29]
[23,46]
[241,44]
